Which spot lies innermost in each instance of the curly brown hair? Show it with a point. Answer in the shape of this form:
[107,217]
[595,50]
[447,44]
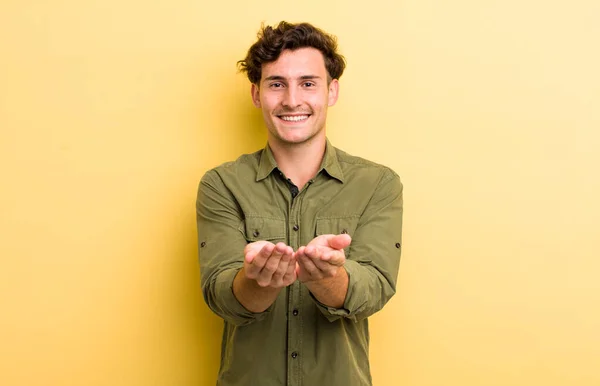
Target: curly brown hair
[287,36]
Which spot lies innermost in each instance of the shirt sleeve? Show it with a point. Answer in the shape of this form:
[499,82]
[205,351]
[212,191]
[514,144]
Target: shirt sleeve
[221,243]
[374,254]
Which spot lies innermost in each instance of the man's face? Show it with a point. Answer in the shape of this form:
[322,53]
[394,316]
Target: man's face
[294,95]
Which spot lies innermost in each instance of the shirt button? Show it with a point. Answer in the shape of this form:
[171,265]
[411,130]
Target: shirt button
[295,312]
[202,244]
[397,245]
[296,227]
[294,355]
[256,233]
[344,231]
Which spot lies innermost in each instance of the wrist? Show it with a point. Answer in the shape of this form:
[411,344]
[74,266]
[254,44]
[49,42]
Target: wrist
[251,295]
[326,284]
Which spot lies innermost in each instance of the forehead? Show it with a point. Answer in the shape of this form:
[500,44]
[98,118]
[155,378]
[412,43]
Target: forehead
[297,63]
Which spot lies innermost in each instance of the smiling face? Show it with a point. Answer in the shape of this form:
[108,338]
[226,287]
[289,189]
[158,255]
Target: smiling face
[294,95]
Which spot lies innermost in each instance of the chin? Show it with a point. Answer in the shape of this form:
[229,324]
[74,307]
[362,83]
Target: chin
[294,137]
[294,140]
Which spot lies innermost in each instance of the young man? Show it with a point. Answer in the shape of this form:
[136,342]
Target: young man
[299,243]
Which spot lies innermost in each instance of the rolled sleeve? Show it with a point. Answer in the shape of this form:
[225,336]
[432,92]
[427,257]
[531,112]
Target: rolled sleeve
[355,299]
[374,254]
[221,243]
[220,298]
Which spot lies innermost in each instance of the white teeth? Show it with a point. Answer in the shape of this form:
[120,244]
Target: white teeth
[294,118]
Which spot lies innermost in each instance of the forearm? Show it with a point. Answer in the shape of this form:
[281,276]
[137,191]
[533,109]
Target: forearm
[330,291]
[253,297]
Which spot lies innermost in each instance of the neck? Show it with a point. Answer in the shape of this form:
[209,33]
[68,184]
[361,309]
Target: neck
[299,162]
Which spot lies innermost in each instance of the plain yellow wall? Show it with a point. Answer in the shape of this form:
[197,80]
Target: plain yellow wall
[111,111]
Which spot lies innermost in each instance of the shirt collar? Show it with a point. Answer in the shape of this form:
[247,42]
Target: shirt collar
[266,164]
[330,163]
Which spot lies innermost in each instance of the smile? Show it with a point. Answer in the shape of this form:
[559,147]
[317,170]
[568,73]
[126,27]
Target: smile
[294,118]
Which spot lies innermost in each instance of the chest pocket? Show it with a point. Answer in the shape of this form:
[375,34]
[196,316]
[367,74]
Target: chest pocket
[261,228]
[336,226]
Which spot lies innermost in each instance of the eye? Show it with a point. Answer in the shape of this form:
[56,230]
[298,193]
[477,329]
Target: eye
[308,84]
[276,85]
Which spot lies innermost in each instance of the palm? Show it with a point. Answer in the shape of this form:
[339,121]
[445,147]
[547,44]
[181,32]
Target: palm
[329,249]
[269,264]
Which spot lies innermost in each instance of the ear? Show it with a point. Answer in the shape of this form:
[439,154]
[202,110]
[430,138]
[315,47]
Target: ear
[334,88]
[255,92]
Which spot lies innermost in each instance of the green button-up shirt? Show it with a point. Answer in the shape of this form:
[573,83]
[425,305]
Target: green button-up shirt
[299,341]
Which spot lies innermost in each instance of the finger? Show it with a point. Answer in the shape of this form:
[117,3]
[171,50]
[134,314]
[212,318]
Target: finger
[319,256]
[257,262]
[282,268]
[291,273]
[253,249]
[255,246]
[313,251]
[297,255]
[324,255]
[273,260]
[326,260]
[299,252]
[327,268]
[339,241]
[307,264]
[323,265]
[270,267]
[334,257]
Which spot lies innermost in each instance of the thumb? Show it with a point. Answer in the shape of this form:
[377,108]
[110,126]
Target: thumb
[339,241]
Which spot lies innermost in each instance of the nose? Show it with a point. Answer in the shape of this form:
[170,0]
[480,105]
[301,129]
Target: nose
[291,99]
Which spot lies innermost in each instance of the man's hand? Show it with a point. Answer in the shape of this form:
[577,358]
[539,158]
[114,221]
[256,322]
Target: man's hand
[322,258]
[320,267]
[270,265]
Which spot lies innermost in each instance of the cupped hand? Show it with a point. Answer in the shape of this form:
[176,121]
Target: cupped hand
[322,258]
[270,265]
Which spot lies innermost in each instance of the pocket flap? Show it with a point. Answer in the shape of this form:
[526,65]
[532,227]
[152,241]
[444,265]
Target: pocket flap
[261,228]
[337,225]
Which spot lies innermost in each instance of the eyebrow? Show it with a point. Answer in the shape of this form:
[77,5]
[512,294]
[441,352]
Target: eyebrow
[303,77]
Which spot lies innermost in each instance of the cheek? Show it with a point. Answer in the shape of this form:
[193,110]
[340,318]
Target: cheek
[270,103]
[316,102]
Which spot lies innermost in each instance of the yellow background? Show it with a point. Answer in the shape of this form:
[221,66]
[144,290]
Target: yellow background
[111,111]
